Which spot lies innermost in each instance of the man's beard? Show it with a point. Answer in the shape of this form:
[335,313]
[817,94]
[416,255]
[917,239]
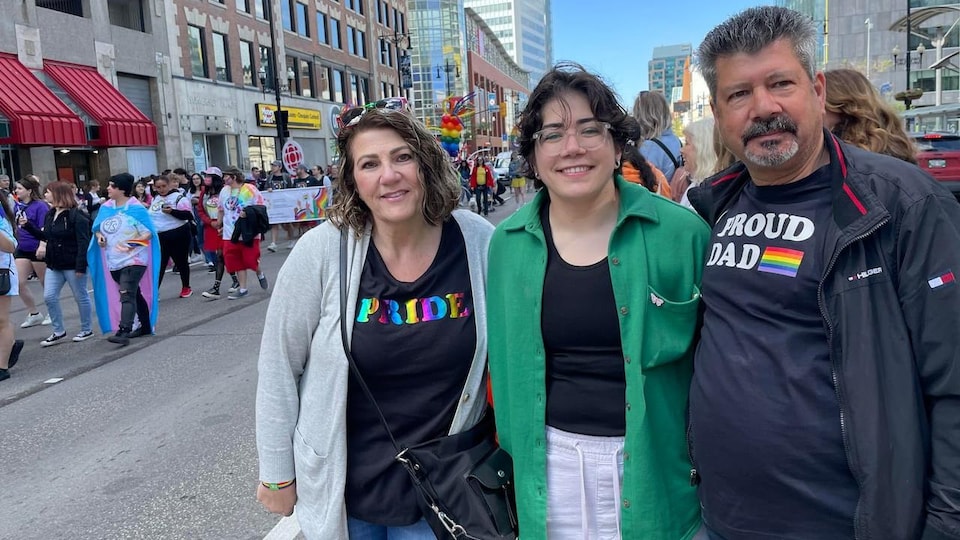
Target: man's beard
[771,155]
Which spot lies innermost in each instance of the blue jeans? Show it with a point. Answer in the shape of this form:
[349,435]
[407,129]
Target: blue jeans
[51,296]
[362,530]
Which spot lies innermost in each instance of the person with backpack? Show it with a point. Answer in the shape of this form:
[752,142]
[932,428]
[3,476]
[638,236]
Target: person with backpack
[480,180]
[661,146]
[171,212]
[63,246]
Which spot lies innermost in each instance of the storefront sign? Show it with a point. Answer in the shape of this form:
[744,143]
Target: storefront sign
[296,117]
[292,156]
[298,204]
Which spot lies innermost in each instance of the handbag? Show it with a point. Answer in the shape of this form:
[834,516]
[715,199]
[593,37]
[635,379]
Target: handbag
[5,277]
[465,480]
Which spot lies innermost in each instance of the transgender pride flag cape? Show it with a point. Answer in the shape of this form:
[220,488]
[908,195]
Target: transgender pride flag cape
[106,292]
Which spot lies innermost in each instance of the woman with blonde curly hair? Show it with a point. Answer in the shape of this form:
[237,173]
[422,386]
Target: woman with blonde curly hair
[856,113]
[415,322]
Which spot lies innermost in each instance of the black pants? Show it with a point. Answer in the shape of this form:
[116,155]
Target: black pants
[175,244]
[483,207]
[499,190]
[131,298]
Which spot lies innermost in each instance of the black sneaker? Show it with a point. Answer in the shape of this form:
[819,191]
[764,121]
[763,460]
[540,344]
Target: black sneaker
[15,353]
[54,339]
[263,281]
[4,374]
[120,338]
[213,293]
[139,332]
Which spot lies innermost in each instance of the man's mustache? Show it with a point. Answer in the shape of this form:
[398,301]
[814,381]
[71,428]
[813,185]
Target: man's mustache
[763,127]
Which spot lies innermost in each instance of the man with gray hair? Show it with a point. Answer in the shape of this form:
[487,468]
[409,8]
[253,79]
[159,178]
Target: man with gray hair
[825,400]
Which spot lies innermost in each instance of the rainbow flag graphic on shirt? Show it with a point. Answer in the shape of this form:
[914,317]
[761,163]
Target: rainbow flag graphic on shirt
[781,261]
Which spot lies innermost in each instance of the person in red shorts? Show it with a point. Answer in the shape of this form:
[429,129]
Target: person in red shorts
[235,197]
[209,212]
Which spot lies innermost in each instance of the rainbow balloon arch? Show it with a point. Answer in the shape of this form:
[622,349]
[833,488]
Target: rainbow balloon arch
[451,123]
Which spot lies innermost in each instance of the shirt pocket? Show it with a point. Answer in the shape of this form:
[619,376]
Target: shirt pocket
[669,328]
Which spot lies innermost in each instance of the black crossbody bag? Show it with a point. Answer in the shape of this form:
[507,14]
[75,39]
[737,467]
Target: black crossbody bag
[465,480]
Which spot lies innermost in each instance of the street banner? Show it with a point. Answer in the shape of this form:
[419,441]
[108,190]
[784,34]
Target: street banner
[406,73]
[296,205]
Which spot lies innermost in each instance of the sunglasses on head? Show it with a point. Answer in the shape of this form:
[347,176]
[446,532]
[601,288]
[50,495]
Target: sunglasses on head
[352,115]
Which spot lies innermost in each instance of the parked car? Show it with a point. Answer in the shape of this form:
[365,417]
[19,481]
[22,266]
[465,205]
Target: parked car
[938,153]
[501,166]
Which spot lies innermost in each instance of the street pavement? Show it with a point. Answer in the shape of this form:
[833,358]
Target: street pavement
[152,440]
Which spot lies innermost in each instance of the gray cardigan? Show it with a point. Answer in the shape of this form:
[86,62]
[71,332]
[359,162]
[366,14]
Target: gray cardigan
[303,371]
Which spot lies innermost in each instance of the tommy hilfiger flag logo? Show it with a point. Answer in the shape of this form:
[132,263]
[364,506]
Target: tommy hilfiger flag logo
[940,281]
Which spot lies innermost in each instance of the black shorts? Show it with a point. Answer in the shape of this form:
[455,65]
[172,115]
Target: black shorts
[31,255]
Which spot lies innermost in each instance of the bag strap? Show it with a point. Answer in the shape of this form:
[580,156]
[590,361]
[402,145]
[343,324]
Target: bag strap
[676,164]
[344,232]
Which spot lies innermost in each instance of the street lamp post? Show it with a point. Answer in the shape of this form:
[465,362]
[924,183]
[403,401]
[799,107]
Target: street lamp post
[279,118]
[397,38]
[869,27]
[909,92]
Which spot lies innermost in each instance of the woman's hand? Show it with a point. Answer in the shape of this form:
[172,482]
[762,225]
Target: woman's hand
[281,501]
[101,240]
[42,250]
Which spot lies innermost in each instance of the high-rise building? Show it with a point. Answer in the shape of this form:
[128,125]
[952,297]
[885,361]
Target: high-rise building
[816,10]
[524,29]
[667,68]
[438,56]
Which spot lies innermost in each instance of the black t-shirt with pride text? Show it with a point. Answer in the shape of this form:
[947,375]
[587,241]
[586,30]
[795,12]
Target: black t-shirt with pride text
[764,413]
[414,344]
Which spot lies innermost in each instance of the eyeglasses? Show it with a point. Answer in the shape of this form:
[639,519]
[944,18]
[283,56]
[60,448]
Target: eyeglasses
[590,136]
[352,115]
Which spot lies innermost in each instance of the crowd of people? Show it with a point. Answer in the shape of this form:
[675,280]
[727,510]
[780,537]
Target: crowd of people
[773,357]
[127,237]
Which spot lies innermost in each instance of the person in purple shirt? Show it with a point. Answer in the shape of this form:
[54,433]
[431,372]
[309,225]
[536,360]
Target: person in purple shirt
[31,211]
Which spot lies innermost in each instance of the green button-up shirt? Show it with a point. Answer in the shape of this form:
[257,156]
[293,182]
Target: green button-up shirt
[656,256]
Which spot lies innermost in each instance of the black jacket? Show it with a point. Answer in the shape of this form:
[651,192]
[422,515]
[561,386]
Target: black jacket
[894,336]
[249,228]
[67,237]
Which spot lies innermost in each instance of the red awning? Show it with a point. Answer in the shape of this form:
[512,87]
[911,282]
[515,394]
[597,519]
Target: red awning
[121,123]
[37,116]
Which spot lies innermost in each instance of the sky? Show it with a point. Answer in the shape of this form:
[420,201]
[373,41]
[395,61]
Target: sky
[617,41]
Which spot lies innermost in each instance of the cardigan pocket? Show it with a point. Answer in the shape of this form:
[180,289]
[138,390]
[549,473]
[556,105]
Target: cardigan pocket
[669,328]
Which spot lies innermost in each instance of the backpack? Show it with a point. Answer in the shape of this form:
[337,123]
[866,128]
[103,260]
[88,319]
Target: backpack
[676,164]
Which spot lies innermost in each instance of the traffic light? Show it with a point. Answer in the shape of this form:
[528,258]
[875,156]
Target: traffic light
[282,119]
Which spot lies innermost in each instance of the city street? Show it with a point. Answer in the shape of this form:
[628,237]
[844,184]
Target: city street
[153,440]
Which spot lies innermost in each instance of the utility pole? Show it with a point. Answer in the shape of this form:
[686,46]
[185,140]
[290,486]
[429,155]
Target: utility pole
[397,38]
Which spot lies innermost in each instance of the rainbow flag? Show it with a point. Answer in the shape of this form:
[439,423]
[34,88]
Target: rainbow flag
[782,261]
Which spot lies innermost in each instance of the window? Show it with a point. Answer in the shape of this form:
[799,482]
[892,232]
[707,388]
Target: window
[355,5]
[70,7]
[324,82]
[261,7]
[380,11]
[286,16]
[303,27]
[322,29]
[358,96]
[335,34]
[198,52]
[305,84]
[402,25]
[386,49]
[266,62]
[243,5]
[126,13]
[221,61]
[361,44]
[351,40]
[246,62]
[337,86]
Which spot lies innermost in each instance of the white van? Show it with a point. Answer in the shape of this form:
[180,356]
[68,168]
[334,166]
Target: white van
[501,165]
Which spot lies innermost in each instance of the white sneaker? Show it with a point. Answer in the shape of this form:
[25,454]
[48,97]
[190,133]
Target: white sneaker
[33,320]
[291,243]
[47,321]
[83,336]
[54,339]
[272,248]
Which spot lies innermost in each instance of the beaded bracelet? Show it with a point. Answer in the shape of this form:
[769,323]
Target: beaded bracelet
[277,487]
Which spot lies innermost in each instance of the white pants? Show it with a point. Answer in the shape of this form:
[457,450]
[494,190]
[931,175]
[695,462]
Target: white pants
[584,474]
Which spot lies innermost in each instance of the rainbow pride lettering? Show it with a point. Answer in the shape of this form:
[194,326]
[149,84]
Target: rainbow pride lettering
[413,311]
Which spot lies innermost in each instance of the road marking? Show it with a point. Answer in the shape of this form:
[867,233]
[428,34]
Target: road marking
[287,529]
[54,380]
